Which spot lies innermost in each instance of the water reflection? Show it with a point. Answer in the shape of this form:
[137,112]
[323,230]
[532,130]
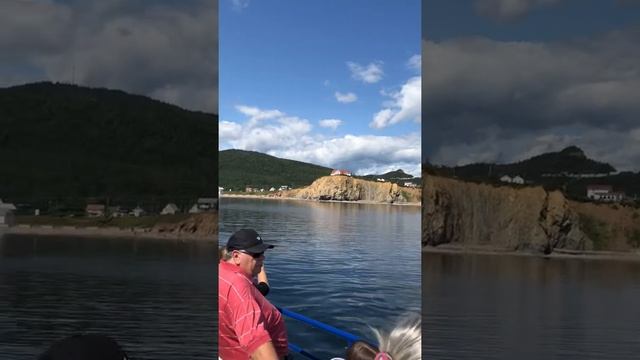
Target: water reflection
[350,265]
[156,298]
[505,307]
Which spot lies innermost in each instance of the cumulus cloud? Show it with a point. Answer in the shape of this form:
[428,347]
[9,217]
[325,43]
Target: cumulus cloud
[480,90]
[166,50]
[345,98]
[239,5]
[256,114]
[508,10]
[369,74]
[291,137]
[405,104]
[330,123]
[415,62]
[229,130]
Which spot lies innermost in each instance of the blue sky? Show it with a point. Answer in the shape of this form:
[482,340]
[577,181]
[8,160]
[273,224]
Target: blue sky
[305,81]
[509,79]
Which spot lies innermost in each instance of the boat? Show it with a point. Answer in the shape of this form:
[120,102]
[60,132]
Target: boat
[349,338]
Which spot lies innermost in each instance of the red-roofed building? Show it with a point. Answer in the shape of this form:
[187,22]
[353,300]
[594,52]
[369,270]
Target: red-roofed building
[340,172]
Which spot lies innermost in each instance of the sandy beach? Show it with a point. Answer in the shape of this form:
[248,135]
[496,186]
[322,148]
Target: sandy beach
[110,232]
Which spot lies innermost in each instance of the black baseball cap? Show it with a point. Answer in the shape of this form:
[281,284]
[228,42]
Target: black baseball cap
[248,240]
[85,347]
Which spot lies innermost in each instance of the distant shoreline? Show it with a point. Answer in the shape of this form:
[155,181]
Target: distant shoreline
[241,196]
[109,232]
[557,254]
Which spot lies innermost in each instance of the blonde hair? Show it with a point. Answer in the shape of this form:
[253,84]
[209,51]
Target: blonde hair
[404,342]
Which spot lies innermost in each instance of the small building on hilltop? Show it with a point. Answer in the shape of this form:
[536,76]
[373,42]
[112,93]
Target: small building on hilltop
[604,193]
[596,192]
[344,172]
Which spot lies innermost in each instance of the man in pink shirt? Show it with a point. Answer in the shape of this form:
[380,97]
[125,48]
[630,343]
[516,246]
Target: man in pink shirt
[250,327]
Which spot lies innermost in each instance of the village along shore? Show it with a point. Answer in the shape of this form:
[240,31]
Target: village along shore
[284,198]
[194,227]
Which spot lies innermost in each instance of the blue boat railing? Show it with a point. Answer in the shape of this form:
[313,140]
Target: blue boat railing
[348,337]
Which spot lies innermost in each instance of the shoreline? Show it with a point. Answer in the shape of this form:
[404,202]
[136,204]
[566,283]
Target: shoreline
[242,196]
[557,254]
[108,232]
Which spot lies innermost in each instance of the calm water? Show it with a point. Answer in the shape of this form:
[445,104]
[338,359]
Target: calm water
[156,298]
[508,307]
[349,265]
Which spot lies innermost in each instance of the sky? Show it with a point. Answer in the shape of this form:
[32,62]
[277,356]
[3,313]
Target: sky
[334,83]
[164,49]
[509,79]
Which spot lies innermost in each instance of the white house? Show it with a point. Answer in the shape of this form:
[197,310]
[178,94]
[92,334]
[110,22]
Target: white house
[6,217]
[203,204]
[512,180]
[410,184]
[95,210]
[138,211]
[170,209]
[9,206]
[207,204]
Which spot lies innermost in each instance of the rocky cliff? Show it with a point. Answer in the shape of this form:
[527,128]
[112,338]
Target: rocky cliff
[473,215]
[481,216]
[346,188]
[204,225]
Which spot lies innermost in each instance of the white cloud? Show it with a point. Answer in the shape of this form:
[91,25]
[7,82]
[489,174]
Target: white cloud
[256,114]
[239,5]
[415,62]
[404,105]
[369,74]
[229,130]
[291,137]
[346,98]
[330,123]
[507,10]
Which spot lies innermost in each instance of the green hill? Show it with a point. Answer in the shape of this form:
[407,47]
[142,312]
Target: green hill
[567,170]
[396,176]
[66,143]
[239,169]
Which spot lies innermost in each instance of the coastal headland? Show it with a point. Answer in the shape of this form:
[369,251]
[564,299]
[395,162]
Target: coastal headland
[346,189]
[461,216]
